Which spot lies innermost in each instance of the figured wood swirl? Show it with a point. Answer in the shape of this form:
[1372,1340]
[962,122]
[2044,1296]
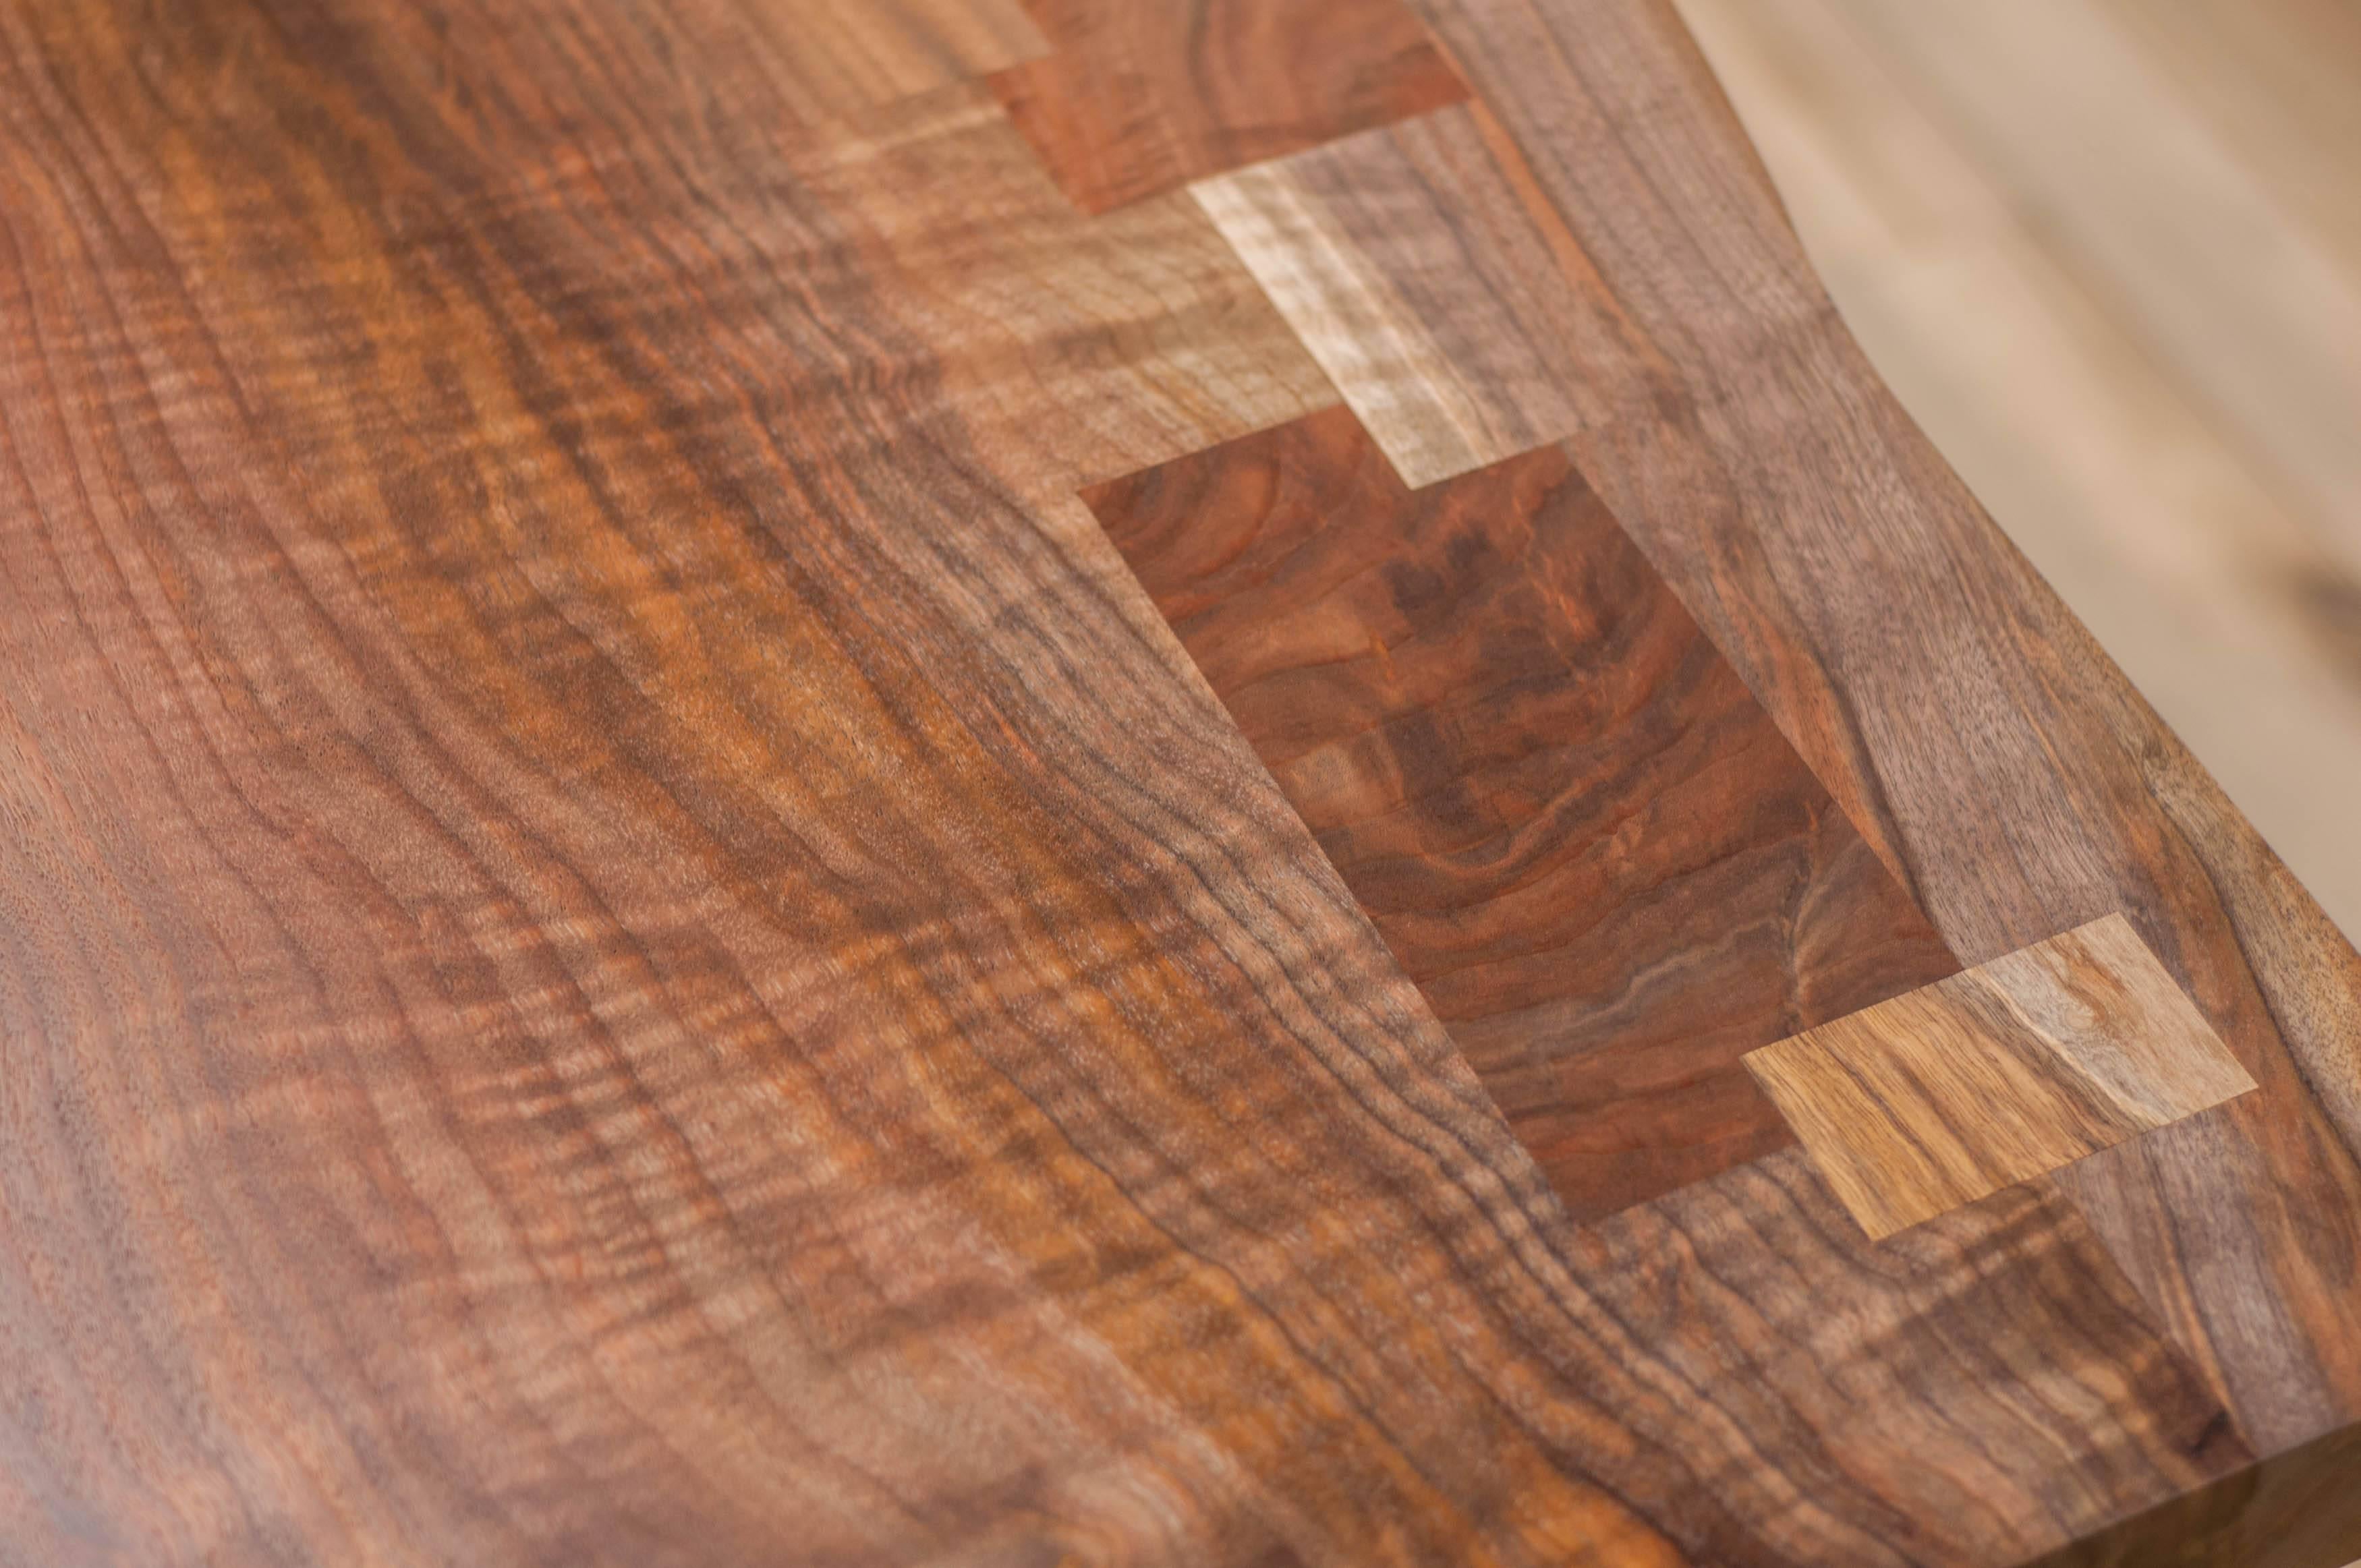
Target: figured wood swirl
[1141,96]
[1604,867]
[624,940]
[1997,1075]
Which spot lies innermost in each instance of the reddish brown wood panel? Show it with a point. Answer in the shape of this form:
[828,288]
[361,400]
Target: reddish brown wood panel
[1138,96]
[1604,867]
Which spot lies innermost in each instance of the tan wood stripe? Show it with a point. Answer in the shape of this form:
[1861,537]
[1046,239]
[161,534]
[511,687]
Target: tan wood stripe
[1997,1075]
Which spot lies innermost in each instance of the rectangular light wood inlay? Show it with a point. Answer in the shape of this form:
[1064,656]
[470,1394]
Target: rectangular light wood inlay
[1433,284]
[1932,1099]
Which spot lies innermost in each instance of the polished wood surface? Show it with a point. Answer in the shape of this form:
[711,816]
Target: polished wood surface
[1608,871]
[2008,1072]
[626,937]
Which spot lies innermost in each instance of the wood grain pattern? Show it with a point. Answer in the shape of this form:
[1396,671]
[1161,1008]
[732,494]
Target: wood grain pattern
[1067,347]
[1997,760]
[1422,281]
[840,58]
[624,940]
[1997,1075]
[1606,869]
[1141,96]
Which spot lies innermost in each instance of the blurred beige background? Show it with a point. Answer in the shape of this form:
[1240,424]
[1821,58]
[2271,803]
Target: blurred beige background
[2109,253]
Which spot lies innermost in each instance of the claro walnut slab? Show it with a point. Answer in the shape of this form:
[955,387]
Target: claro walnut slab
[1031,781]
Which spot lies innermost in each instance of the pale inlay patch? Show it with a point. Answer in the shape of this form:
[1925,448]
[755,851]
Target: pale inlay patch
[1937,1098]
[1437,286]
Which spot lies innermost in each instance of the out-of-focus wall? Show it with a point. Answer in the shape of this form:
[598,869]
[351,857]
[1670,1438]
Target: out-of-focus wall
[2109,254]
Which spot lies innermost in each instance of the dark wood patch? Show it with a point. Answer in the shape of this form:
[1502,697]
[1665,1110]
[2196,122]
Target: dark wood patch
[1609,873]
[1140,96]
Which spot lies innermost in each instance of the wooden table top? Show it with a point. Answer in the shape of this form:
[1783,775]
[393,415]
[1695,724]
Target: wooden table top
[1026,782]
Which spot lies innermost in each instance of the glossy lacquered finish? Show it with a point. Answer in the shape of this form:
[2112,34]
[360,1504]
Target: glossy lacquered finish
[626,935]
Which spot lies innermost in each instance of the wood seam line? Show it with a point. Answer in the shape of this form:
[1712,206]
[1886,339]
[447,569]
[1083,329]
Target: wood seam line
[1997,1075]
